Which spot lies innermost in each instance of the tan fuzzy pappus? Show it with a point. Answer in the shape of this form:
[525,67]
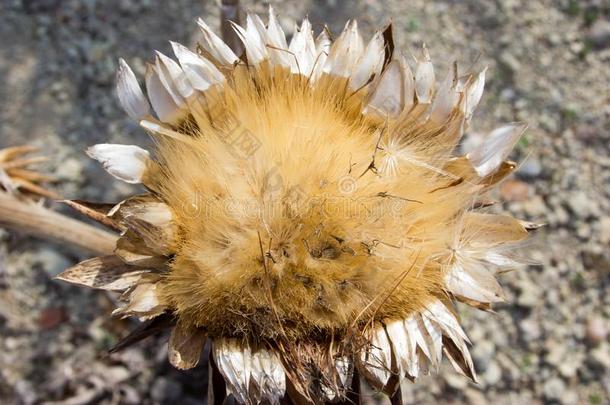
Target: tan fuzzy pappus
[305,211]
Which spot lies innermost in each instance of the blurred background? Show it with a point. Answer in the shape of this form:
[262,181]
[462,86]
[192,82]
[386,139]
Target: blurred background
[549,66]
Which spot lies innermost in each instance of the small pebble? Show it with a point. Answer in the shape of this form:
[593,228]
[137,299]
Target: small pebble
[596,330]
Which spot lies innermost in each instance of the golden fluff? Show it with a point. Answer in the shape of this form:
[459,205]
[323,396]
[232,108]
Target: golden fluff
[305,211]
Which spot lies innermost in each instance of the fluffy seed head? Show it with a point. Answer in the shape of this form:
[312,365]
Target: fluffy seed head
[306,210]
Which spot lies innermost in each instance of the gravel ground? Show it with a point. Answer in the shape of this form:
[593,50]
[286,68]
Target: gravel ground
[549,66]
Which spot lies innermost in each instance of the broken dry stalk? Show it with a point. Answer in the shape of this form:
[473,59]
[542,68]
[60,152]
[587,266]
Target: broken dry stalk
[36,220]
[230,10]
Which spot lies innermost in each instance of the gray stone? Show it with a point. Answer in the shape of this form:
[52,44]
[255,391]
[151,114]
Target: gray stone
[116,374]
[26,392]
[599,358]
[596,330]
[510,62]
[456,381]
[70,169]
[475,397]
[599,33]
[570,398]
[531,168]
[556,353]
[530,294]
[52,262]
[535,206]
[553,389]
[493,374]
[482,354]
[165,390]
[582,205]
[531,329]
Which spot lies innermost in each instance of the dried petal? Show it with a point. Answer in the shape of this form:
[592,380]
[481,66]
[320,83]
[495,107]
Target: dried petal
[106,273]
[435,341]
[437,311]
[133,250]
[471,280]
[143,302]
[156,239]
[173,78]
[256,50]
[276,39]
[416,333]
[473,93]
[345,52]
[387,98]
[488,157]
[446,98]
[376,360]
[408,83]
[268,377]
[185,346]
[201,73]
[234,361]
[164,104]
[125,162]
[370,63]
[459,357]
[424,78]
[403,348]
[216,46]
[147,329]
[302,50]
[130,94]
[146,208]
[487,230]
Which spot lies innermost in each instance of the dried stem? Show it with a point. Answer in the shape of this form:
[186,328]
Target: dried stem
[230,10]
[36,220]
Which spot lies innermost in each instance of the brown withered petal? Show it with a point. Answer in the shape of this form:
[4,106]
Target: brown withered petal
[490,230]
[132,250]
[336,389]
[434,337]
[143,302]
[375,363]
[144,207]
[459,356]
[185,346]
[106,273]
[145,330]
[463,168]
[153,237]
[483,306]
[531,226]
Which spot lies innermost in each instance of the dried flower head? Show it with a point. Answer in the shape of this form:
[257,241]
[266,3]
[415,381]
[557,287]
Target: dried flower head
[305,211]
[16,173]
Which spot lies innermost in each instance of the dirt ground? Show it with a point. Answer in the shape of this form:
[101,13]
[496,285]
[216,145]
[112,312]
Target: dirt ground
[549,66]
